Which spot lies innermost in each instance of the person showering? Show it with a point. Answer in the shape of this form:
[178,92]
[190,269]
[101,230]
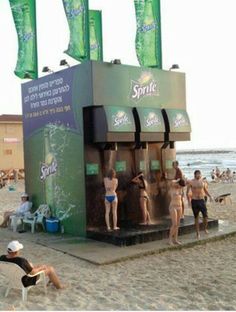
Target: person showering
[143,198]
[111,200]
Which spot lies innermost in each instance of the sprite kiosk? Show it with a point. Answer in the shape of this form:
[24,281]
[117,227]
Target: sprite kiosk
[82,121]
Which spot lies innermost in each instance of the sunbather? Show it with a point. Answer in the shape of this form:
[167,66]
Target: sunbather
[23,209]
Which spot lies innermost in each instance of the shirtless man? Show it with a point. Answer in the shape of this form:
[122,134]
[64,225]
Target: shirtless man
[199,190]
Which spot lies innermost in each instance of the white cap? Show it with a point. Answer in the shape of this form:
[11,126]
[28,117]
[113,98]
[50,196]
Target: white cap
[14,246]
[24,195]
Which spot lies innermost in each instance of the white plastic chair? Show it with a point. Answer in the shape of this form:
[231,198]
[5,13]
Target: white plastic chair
[14,219]
[13,274]
[37,217]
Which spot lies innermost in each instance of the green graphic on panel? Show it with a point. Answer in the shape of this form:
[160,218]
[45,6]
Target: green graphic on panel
[142,165]
[92,169]
[120,166]
[95,30]
[155,165]
[151,120]
[24,15]
[120,119]
[169,164]
[178,120]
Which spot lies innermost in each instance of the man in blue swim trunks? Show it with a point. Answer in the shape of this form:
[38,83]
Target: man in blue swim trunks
[197,199]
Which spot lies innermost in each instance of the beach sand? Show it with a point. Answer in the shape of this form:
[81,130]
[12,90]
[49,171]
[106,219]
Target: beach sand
[198,278]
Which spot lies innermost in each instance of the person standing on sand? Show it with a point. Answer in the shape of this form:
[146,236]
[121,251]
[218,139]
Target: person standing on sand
[179,175]
[13,256]
[197,199]
[175,209]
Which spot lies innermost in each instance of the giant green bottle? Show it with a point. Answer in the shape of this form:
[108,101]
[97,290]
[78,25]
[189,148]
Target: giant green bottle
[48,172]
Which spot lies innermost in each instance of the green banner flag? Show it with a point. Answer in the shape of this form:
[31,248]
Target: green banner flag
[148,35]
[77,18]
[24,15]
[95,29]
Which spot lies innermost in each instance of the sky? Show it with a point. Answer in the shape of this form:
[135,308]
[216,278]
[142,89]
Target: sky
[196,34]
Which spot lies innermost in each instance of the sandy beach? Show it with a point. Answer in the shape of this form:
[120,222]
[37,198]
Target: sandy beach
[198,278]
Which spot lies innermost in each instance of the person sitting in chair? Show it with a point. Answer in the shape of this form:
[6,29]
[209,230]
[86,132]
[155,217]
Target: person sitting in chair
[23,209]
[13,256]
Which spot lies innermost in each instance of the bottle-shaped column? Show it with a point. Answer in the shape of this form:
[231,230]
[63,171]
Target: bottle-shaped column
[48,172]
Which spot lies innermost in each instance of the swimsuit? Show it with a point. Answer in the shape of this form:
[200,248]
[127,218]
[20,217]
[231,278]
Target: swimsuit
[110,198]
[199,205]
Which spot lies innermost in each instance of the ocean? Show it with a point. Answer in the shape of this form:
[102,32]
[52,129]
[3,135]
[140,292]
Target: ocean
[206,160]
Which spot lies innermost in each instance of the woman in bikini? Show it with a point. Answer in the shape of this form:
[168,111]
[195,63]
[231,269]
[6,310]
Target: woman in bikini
[143,197]
[175,208]
[111,200]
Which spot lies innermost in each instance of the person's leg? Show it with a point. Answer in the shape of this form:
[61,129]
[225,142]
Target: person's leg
[146,207]
[182,200]
[107,214]
[205,217]
[173,216]
[6,219]
[143,209]
[114,214]
[197,226]
[178,217]
[196,210]
[51,274]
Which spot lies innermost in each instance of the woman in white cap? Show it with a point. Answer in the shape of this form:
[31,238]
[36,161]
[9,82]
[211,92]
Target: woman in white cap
[13,255]
[23,209]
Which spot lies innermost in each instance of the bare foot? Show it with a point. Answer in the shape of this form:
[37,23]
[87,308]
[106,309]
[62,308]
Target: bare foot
[116,228]
[171,243]
[177,243]
[206,231]
[3,226]
[198,235]
[142,223]
[109,229]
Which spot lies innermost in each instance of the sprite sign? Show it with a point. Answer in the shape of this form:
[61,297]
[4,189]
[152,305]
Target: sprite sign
[148,34]
[120,119]
[146,85]
[95,30]
[24,13]
[151,119]
[77,17]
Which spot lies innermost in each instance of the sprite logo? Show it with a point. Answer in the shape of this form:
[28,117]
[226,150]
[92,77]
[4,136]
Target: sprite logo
[120,119]
[146,28]
[74,12]
[146,85]
[48,168]
[152,120]
[180,121]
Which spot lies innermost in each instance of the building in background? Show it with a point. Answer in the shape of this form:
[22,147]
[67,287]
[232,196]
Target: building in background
[11,143]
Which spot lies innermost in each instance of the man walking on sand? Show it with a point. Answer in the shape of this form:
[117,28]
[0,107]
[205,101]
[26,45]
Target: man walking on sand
[197,200]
